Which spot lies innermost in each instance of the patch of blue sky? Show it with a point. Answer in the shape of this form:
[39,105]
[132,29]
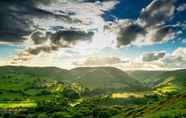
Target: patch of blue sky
[129,9]
[8,50]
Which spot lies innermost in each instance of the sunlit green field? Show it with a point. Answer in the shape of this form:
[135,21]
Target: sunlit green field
[17,105]
[166,89]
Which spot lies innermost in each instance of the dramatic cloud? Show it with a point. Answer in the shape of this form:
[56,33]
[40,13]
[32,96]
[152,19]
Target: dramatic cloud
[159,34]
[164,33]
[129,33]
[47,25]
[60,38]
[29,53]
[153,56]
[38,37]
[150,27]
[17,18]
[70,36]
[42,59]
[50,42]
[48,28]
[32,15]
[138,35]
[157,12]
[20,18]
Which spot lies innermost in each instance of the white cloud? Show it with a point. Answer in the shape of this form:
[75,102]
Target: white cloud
[182,7]
[177,59]
[184,41]
[153,56]
[150,27]
[88,13]
[67,60]
[157,12]
[139,65]
[99,61]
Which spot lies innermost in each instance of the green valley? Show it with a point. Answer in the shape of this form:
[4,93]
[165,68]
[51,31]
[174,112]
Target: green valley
[91,92]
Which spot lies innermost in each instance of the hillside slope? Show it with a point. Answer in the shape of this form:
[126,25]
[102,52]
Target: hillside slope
[172,107]
[52,73]
[154,79]
[105,78]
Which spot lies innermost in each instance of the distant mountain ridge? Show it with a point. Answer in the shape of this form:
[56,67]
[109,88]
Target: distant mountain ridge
[105,78]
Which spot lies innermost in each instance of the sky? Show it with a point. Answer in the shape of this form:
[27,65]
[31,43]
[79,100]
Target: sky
[126,34]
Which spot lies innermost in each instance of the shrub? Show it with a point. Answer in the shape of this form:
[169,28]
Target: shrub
[42,115]
[70,93]
[61,115]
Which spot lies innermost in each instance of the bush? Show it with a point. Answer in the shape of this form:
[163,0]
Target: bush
[42,115]
[105,112]
[61,115]
[70,93]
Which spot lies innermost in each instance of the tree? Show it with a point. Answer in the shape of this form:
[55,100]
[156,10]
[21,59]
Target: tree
[70,93]
[42,115]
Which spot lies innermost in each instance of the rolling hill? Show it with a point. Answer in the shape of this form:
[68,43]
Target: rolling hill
[92,78]
[162,81]
[52,73]
[105,78]
[100,77]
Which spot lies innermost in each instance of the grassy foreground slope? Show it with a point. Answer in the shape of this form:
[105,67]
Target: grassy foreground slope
[172,107]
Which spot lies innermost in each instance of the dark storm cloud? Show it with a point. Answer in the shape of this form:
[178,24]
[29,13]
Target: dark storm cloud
[10,37]
[17,17]
[153,56]
[71,35]
[157,12]
[129,33]
[151,25]
[58,37]
[10,23]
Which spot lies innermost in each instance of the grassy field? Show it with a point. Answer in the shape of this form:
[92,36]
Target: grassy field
[173,107]
[17,105]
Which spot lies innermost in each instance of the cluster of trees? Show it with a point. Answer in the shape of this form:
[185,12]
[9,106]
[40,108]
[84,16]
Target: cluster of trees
[59,106]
